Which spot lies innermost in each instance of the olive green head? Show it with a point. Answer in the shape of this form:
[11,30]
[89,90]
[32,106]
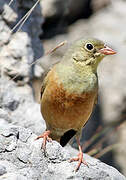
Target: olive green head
[88,52]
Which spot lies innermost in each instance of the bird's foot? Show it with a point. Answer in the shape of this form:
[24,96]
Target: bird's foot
[80,160]
[46,138]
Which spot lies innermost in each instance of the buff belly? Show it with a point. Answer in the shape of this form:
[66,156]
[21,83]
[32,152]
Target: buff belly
[64,111]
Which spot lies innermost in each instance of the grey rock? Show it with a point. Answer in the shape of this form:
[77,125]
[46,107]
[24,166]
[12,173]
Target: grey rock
[121,151]
[4,116]
[12,176]
[3,123]
[10,132]
[2,147]
[2,170]
[22,48]
[71,9]
[12,57]
[10,143]
[10,102]
[8,166]
[54,8]
[5,33]
[24,134]
[18,104]
[38,70]
[56,154]
[23,153]
[11,8]
[26,114]
[27,161]
[97,4]
[9,15]
[33,26]
[85,8]
[2,2]
[23,42]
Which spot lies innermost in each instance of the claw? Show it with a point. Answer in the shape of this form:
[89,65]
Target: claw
[46,138]
[79,158]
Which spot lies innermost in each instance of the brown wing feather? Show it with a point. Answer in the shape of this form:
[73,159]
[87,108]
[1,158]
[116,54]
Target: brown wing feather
[44,82]
[45,79]
[96,100]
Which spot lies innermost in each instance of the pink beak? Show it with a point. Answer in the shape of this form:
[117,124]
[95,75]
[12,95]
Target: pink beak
[107,51]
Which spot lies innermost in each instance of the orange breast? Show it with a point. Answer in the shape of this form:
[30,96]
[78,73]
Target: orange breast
[63,110]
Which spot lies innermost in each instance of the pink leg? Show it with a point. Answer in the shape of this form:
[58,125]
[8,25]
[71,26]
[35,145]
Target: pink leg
[45,137]
[80,157]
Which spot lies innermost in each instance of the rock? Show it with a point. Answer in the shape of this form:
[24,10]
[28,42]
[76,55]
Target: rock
[38,71]
[98,5]
[2,2]
[84,9]
[54,8]
[33,26]
[4,32]
[4,114]
[17,106]
[12,57]
[22,48]
[12,176]
[59,14]
[121,151]
[27,160]
[2,170]
[8,14]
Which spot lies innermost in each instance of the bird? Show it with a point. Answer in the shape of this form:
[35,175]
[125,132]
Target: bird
[69,92]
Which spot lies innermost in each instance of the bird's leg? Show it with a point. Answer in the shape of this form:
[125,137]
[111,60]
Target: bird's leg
[80,157]
[45,137]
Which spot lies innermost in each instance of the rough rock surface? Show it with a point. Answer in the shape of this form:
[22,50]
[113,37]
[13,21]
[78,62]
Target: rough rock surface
[71,9]
[17,106]
[21,157]
[54,8]
[15,60]
[18,50]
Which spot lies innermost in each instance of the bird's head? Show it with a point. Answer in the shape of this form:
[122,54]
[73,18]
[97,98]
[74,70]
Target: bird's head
[89,52]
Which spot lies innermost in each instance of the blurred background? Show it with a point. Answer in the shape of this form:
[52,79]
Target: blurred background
[50,23]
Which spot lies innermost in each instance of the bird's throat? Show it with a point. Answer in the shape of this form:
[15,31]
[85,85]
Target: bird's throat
[76,78]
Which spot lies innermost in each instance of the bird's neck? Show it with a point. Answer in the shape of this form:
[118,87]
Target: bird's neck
[82,69]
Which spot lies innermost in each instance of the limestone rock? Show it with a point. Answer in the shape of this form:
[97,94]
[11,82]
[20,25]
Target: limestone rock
[27,161]
[15,56]
[4,32]
[54,8]
[8,14]
[17,106]
[18,50]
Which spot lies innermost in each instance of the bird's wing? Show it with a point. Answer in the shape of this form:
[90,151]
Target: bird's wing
[44,82]
[45,79]
[96,100]
[95,103]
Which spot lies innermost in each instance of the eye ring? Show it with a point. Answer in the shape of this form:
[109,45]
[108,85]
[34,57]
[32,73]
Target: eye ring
[89,47]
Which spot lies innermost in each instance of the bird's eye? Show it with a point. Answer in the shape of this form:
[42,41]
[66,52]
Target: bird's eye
[89,46]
